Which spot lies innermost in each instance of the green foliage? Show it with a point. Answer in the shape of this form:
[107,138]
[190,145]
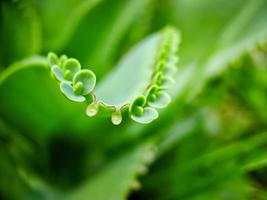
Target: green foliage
[136,162]
[193,129]
[21,31]
[155,57]
[74,82]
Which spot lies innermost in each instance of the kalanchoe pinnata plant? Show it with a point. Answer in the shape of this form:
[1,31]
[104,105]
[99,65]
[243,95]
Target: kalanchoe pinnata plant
[205,121]
[78,84]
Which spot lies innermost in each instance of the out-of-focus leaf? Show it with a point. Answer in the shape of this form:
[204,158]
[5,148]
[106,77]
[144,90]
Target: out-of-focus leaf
[60,19]
[203,169]
[15,154]
[220,42]
[11,186]
[204,51]
[21,31]
[96,40]
[30,99]
[118,178]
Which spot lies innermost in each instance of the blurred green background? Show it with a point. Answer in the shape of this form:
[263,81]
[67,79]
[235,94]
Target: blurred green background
[209,143]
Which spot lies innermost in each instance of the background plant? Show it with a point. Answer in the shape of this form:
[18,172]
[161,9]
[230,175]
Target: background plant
[203,62]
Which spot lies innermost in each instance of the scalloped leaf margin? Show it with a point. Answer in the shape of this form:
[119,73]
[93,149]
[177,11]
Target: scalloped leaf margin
[78,84]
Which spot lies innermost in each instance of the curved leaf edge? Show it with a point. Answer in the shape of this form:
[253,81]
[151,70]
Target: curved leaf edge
[165,63]
[154,97]
[131,167]
[33,61]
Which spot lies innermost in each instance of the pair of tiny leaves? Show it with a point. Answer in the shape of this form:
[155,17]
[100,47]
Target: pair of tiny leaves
[157,98]
[140,112]
[75,83]
[142,109]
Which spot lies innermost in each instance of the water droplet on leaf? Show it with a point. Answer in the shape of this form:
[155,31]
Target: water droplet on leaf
[91,110]
[116,118]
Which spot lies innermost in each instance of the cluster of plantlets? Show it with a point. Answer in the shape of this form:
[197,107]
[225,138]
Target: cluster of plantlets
[75,83]
[143,108]
[78,84]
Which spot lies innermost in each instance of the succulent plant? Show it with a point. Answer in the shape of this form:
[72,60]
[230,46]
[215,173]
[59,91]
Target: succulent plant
[137,99]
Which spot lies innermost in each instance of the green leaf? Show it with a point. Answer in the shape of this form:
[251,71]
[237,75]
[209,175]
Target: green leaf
[137,104]
[167,83]
[53,59]
[162,100]
[60,20]
[134,70]
[37,106]
[116,179]
[23,64]
[101,47]
[57,72]
[70,67]
[21,31]
[67,90]
[164,79]
[147,116]
[88,80]
[158,48]
[240,29]
[11,183]
[124,84]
